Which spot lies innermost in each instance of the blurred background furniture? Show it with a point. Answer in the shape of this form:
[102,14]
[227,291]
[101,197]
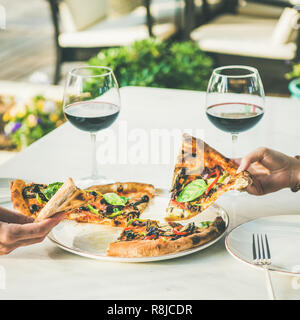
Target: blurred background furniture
[82,28]
[261,33]
[255,30]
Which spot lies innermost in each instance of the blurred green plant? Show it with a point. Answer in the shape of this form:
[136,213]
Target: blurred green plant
[29,121]
[153,63]
[295,73]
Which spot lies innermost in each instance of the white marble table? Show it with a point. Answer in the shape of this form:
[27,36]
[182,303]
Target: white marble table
[47,272]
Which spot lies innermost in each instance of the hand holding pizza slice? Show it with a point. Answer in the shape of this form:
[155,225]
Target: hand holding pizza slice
[113,204]
[201,175]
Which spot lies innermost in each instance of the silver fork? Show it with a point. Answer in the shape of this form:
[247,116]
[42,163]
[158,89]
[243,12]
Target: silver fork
[262,256]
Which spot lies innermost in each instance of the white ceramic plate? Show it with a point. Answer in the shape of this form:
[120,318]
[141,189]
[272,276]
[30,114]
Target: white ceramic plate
[91,240]
[284,240]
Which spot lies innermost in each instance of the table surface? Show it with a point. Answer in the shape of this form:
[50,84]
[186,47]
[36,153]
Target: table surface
[44,271]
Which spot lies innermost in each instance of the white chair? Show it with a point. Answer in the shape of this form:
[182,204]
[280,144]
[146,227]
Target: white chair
[249,35]
[82,28]
[259,10]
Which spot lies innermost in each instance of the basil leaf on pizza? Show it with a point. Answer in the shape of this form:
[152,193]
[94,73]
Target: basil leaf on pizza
[52,188]
[125,199]
[114,199]
[192,191]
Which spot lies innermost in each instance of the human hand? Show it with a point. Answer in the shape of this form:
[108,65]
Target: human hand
[271,170]
[10,216]
[24,232]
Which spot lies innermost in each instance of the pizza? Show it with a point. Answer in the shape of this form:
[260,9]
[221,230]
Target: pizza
[149,238]
[113,204]
[59,201]
[30,198]
[201,175]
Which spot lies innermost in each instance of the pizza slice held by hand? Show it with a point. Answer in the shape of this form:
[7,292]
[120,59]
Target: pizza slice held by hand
[33,199]
[112,204]
[201,175]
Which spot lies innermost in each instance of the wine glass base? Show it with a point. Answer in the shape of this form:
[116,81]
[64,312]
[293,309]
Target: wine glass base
[86,182]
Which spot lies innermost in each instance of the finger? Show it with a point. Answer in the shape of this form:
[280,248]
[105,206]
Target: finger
[10,216]
[259,169]
[255,187]
[18,232]
[254,156]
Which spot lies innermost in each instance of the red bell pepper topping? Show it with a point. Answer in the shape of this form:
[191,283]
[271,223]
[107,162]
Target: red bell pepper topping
[150,237]
[178,233]
[178,204]
[211,174]
[214,182]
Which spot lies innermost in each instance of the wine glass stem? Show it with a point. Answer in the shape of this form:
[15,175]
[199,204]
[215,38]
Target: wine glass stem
[95,173]
[234,138]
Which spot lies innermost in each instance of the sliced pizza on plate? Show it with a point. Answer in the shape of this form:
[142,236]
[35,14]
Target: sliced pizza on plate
[149,238]
[201,175]
[113,204]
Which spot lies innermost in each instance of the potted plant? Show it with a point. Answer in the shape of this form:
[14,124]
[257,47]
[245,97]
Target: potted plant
[153,63]
[294,85]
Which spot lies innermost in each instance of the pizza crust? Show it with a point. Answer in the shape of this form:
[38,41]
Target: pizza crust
[152,248]
[126,187]
[19,203]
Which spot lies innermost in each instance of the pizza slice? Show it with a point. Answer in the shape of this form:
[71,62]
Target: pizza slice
[201,175]
[112,204]
[149,238]
[31,198]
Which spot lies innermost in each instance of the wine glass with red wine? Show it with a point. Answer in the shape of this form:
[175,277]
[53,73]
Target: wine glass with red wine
[235,100]
[91,103]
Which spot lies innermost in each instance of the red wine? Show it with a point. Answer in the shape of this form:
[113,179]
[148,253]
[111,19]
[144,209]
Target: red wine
[234,117]
[92,116]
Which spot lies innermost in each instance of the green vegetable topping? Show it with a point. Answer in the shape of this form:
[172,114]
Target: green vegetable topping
[116,213]
[125,199]
[223,177]
[92,209]
[90,191]
[132,220]
[38,198]
[205,224]
[52,188]
[114,199]
[192,191]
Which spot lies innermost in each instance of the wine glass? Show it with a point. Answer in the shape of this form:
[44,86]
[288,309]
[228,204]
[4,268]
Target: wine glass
[91,103]
[235,100]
